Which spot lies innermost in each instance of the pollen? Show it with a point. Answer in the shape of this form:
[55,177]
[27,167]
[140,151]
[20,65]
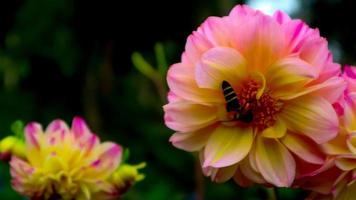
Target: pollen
[264,109]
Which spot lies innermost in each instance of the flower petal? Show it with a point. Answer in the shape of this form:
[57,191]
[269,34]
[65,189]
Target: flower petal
[191,141]
[339,189]
[108,160]
[207,171]
[346,162]
[89,144]
[80,128]
[337,145]
[315,51]
[304,148]
[223,174]
[219,64]
[20,169]
[330,70]
[111,152]
[306,169]
[181,81]
[322,182]
[241,179]
[274,162]
[330,90]
[21,172]
[197,44]
[241,11]
[289,76]
[55,131]
[278,130]
[227,146]
[34,137]
[251,158]
[348,192]
[248,171]
[351,142]
[350,77]
[311,116]
[261,41]
[185,116]
[216,30]
[281,17]
[349,118]
[53,164]
[171,97]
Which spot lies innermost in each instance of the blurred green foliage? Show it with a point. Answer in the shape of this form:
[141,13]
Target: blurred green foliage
[54,64]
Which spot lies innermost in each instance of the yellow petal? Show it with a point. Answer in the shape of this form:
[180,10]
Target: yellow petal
[349,193]
[86,192]
[53,164]
[349,117]
[337,145]
[311,116]
[346,162]
[278,130]
[330,90]
[351,143]
[262,80]
[289,76]
[219,64]
[227,145]
[274,162]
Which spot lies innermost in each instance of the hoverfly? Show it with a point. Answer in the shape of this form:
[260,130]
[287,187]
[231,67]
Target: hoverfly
[233,104]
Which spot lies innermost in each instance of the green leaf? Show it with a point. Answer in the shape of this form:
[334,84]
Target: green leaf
[125,155]
[143,66]
[161,59]
[18,129]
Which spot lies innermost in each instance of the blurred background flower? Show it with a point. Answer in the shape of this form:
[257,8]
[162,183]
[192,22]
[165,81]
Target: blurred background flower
[73,57]
[70,163]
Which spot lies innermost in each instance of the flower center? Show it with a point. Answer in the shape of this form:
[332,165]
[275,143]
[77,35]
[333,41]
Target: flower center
[264,110]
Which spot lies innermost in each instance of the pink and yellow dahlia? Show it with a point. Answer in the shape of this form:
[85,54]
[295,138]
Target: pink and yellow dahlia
[280,75]
[339,181]
[68,163]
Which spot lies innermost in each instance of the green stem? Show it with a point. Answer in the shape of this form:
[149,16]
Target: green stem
[272,193]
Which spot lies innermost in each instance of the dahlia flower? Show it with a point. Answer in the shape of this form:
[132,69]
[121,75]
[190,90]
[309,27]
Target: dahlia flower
[67,163]
[339,181]
[253,94]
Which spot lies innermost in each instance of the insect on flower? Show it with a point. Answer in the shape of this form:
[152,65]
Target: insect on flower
[233,106]
[253,94]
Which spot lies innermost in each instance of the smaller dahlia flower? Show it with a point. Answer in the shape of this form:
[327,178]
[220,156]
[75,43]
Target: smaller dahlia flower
[338,182]
[67,163]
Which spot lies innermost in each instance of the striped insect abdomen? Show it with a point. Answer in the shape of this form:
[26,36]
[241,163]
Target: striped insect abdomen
[232,102]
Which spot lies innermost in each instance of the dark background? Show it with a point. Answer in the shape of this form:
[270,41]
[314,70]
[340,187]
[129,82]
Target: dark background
[62,58]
